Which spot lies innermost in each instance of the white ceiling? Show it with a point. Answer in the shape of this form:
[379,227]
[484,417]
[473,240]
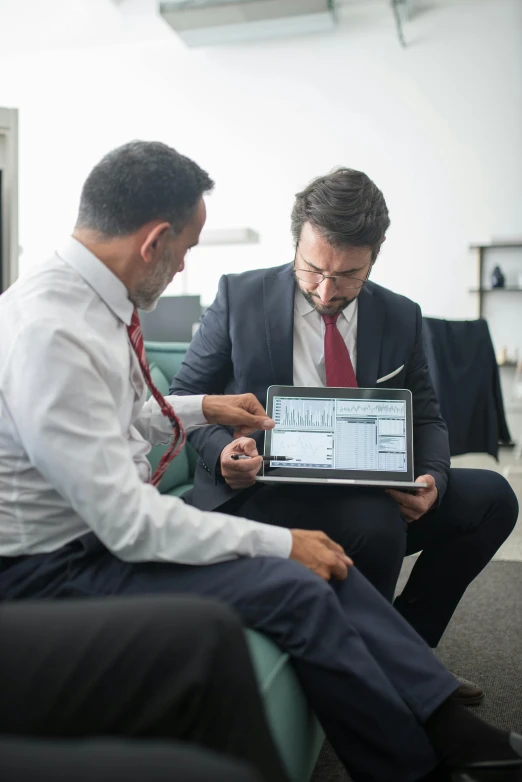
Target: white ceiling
[29,26]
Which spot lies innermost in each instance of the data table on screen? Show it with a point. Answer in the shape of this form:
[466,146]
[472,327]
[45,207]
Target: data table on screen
[392,462]
[356,445]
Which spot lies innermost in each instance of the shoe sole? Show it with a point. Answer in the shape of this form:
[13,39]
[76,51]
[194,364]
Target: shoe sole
[499,771]
[476,701]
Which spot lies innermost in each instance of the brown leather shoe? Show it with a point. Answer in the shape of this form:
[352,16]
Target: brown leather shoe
[469,694]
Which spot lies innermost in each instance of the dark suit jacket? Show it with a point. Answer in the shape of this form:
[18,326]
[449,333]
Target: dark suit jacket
[465,375]
[245,344]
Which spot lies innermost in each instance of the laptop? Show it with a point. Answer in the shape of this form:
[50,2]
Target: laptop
[340,436]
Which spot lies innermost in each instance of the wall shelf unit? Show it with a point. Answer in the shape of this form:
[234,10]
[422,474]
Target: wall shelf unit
[506,289]
[482,289]
[503,311]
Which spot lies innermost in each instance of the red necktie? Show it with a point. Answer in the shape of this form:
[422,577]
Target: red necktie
[136,339]
[337,361]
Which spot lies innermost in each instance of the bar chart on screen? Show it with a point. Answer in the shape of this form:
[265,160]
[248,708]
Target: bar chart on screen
[304,414]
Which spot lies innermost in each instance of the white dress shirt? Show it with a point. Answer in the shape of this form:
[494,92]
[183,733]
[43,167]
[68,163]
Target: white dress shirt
[75,429]
[309,329]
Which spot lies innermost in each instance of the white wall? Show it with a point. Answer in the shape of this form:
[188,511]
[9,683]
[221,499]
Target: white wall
[438,126]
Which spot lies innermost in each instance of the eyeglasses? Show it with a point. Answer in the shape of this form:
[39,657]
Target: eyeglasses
[341,283]
[316,278]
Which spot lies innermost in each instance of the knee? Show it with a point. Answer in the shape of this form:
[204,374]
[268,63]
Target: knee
[502,499]
[381,534]
[289,585]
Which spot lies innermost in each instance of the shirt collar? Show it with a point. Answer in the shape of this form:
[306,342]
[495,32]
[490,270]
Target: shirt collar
[100,278]
[304,307]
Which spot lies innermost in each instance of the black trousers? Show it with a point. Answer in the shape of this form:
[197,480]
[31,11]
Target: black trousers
[476,515]
[371,680]
[148,669]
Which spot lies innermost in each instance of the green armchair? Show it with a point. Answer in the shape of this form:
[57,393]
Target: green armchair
[294,726]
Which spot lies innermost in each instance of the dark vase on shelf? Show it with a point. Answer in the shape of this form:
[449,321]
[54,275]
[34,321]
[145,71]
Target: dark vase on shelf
[497,278]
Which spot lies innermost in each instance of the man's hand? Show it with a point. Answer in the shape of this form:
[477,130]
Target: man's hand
[317,552]
[242,411]
[240,474]
[413,506]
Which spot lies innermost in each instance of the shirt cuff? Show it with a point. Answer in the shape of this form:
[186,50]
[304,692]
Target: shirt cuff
[189,409]
[274,542]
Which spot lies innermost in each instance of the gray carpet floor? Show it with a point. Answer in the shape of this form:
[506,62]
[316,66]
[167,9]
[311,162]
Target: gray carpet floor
[482,643]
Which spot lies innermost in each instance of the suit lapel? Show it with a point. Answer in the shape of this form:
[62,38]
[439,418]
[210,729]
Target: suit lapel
[278,294]
[370,328]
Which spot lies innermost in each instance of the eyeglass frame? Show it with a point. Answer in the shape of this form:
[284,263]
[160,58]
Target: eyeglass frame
[331,276]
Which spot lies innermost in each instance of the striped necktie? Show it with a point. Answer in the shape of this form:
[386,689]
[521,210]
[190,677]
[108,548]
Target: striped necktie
[136,339]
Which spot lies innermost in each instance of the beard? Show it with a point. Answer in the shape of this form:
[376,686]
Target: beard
[147,295]
[337,305]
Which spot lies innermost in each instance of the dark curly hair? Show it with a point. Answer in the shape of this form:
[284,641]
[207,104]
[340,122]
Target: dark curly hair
[345,207]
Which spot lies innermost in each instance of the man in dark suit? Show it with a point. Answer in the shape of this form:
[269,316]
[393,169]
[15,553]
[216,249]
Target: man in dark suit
[320,321]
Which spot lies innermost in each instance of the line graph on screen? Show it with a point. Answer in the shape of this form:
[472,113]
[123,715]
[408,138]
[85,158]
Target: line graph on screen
[309,447]
[371,408]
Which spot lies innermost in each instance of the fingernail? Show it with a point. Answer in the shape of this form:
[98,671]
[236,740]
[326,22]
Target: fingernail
[268,423]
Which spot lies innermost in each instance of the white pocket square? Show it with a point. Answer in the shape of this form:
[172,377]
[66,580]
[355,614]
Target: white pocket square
[392,374]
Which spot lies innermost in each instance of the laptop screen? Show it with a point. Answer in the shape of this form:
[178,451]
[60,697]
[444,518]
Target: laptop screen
[339,434]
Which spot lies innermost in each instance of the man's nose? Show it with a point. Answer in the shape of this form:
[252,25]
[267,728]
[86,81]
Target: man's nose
[326,290]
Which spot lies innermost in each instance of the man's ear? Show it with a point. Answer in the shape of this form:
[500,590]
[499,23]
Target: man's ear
[153,238]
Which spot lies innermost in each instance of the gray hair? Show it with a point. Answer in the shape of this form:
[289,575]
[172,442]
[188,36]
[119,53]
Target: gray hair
[140,182]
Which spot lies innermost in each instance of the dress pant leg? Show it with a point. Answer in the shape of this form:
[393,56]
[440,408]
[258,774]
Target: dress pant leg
[476,515]
[367,523]
[371,680]
[151,668]
[24,760]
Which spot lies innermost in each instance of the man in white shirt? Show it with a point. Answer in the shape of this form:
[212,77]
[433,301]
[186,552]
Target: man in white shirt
[79,517]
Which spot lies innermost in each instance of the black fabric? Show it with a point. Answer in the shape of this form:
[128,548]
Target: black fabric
[24,760]
[465,375]
[369,677]
[483,642]
[461,737]
[245,344]
[476,515]
[147,668]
